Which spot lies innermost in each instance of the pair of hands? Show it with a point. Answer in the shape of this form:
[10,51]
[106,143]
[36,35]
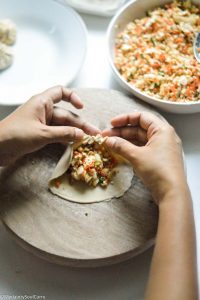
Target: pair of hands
[149,143]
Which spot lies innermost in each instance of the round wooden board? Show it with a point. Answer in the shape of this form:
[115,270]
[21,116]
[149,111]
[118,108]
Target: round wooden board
[79,235]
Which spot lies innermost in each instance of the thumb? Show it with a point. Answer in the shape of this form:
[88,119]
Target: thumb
[63,134]
[122,147]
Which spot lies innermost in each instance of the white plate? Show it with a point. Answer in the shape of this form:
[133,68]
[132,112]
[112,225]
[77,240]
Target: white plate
[96,7]
[132,10]
[50,48]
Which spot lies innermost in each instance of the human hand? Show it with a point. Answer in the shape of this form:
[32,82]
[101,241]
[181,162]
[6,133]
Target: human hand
[159,160]
[38,122]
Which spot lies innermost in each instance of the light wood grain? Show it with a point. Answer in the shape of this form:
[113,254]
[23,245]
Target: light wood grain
[71,233]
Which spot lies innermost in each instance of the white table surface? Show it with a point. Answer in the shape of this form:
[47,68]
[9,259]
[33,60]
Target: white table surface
[21,273]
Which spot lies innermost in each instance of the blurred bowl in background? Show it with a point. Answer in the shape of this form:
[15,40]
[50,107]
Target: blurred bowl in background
[134,10]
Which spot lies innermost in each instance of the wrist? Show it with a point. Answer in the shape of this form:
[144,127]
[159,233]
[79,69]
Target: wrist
[176,193]
[3,134]
[6,143]
[163,188]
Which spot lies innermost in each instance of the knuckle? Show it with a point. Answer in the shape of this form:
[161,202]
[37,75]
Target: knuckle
[58,90]
[43,101]
[36,101]
[167,129]
[39,100]
[117,145]
[171,132]
[174,135]
[44,133]
[135,155]
[178,140]
[82,124]
[69,133]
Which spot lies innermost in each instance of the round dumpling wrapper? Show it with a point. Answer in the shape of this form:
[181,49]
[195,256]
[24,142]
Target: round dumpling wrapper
[81,192]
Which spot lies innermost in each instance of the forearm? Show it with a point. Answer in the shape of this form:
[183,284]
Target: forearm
[173,272]
[7,143]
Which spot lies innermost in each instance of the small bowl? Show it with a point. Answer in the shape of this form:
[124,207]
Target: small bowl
[133,10]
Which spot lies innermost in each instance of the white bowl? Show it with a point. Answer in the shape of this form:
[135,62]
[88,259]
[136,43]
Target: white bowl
[132,10]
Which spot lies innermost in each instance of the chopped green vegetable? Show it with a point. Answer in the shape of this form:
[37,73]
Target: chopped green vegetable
[153,41]
[101,180]
[156,85]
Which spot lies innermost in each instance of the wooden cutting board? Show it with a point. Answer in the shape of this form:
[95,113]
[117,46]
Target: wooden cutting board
[79,235]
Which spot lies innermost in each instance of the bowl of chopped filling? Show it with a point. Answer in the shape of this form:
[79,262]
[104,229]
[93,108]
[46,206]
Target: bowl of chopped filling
[150,45]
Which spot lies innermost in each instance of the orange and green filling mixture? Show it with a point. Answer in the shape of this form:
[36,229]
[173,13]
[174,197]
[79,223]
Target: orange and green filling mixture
[92,163]
[155,53]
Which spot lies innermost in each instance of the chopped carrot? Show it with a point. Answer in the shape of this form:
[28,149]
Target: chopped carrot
[57,184]
[169,69]
[179,40]
[155,26]
[174,88]
[169,22]
[188,92]
[185,49]
[156,65]
[138,30]
[162,57]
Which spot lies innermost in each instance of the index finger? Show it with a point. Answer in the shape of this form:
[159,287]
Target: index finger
[58,93]
[142,119]
[62,116]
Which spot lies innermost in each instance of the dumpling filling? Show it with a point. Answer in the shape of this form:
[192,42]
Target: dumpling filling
[92,163]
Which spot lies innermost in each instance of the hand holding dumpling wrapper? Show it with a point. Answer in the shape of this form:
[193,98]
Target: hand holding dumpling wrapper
[89,172]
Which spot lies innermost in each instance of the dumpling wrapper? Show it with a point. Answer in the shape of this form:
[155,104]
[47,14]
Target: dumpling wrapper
[81,192]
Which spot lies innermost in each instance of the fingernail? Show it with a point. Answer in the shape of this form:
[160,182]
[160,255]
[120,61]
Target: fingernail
[105,132]
[79,133]
[77,99]
[94,128]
